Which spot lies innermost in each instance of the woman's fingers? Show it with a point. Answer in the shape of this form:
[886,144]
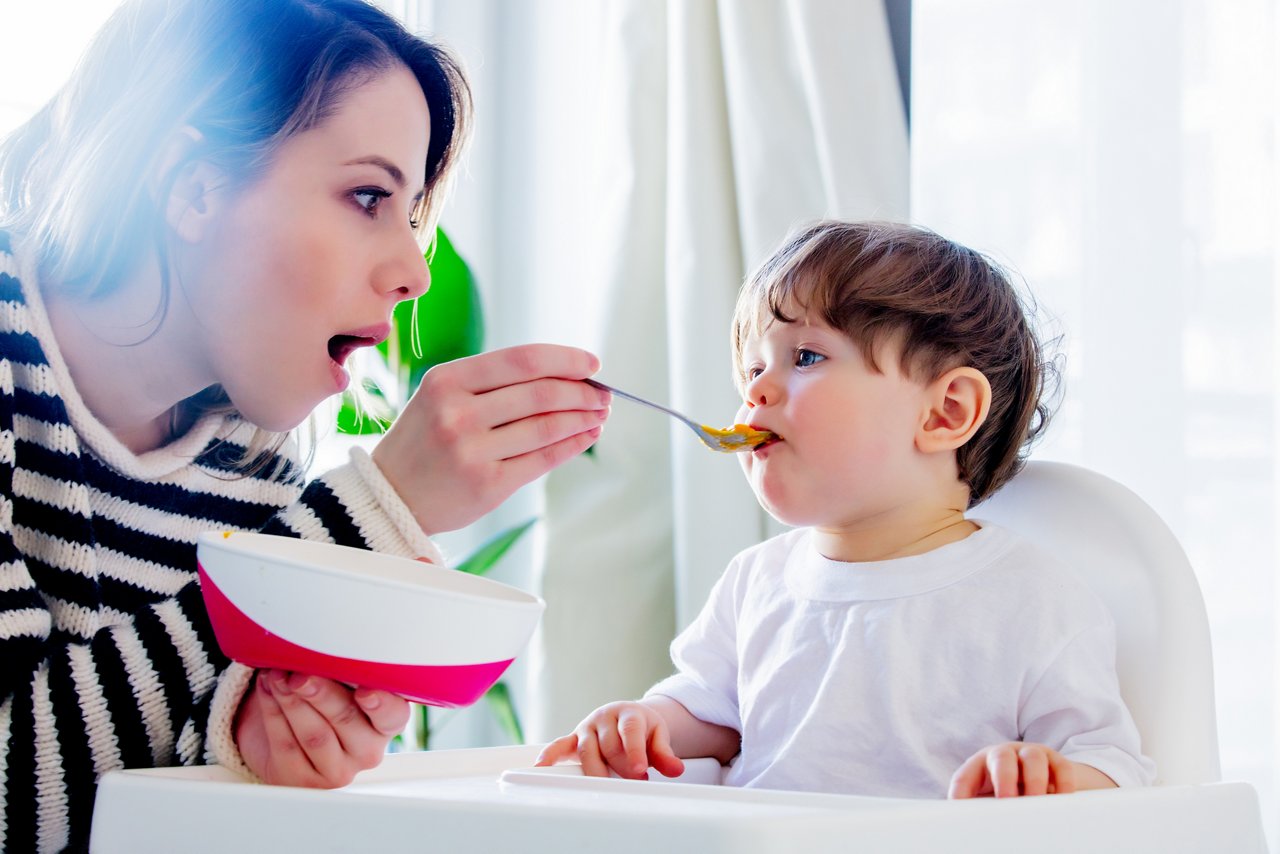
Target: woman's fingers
[302,730]
[309,709]
[513,365]
[515,403]
[387,713]
[540,432]
[280,757]
[480,428]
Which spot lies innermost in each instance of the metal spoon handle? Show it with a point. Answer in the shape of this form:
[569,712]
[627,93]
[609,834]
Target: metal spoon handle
[641,400]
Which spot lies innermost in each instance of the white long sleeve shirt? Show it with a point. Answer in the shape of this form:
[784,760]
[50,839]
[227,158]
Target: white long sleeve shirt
[881,678]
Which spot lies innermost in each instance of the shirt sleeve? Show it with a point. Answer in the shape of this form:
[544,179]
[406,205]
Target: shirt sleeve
[706,658]
[355,505]
[1075,707]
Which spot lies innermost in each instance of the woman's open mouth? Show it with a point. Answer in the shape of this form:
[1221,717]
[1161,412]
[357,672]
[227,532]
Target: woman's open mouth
[344,344]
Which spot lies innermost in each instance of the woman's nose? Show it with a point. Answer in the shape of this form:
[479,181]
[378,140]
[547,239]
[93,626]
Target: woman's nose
[404,271]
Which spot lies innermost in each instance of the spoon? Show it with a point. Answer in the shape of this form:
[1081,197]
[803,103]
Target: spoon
[739,437]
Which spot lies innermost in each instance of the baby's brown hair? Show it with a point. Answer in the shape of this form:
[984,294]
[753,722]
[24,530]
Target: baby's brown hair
[950,306]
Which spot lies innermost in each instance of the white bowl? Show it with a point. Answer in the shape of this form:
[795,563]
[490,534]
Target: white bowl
[431,634]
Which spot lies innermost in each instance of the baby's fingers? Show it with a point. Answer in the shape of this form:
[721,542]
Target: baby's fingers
[1063,773]
[564,747]
[1003,769]
[970,778]
[627,752]
[661,756]
[593,764]
[1035,769]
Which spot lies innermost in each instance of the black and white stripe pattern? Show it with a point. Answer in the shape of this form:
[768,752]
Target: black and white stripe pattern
[107,659]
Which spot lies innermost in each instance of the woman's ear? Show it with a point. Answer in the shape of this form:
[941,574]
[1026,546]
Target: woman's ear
[183,186]
[957,405]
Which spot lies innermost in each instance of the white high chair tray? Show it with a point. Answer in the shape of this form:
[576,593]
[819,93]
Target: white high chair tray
[490,800]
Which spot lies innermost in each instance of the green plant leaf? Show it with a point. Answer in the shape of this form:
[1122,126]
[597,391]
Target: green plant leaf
[499,699]
[482,559]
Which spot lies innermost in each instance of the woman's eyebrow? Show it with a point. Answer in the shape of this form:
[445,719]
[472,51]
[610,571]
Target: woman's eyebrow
[376,160]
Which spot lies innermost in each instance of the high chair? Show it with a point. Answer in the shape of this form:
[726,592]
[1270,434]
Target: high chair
[1131,559]
[490,799]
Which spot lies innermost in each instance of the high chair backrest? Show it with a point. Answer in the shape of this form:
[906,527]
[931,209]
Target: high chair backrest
[1131,559]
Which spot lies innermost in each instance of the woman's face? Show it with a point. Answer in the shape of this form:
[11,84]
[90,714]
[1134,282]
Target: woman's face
[306,263]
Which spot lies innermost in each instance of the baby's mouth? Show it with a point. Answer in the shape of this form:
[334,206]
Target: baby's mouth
[773,439]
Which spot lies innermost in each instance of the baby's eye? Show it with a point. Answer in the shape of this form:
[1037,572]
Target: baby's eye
[807,358]
[369,198]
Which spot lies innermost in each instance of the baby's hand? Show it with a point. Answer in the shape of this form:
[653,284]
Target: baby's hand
[627,737]
[298,730]
[1013,769]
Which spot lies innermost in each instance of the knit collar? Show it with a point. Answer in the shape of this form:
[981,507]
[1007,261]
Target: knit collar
[94,436]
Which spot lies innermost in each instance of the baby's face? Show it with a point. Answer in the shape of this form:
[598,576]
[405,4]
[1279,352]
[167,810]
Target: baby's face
[846,447]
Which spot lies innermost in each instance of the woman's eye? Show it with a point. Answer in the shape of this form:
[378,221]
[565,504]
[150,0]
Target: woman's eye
[369,198]
[807,358]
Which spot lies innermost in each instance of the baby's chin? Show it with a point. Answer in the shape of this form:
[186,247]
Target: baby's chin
[790,516]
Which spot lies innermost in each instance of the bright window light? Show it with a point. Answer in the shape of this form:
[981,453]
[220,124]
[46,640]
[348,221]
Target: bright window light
[39,45]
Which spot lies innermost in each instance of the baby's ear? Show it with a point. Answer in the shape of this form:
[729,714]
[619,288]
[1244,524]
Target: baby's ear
[183,186]
[957,405]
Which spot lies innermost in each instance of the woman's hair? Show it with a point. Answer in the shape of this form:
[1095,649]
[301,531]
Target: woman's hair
[79,183]
[948,305]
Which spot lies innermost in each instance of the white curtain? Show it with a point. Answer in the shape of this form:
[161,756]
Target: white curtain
[633,160]
[1121,155]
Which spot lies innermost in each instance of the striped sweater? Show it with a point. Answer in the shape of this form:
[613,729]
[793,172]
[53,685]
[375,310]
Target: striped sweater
[107,659]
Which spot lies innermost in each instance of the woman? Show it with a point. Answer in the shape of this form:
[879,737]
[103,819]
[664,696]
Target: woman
[225,201]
